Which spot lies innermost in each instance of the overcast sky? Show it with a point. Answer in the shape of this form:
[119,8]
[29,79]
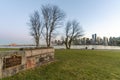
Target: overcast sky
[95,16]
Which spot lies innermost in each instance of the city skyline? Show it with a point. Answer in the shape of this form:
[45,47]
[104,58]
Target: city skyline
[94,40]
[95,16]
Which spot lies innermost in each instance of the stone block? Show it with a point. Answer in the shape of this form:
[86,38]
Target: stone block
[12,62]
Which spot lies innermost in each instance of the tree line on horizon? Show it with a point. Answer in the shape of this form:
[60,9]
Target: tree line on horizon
[43,23]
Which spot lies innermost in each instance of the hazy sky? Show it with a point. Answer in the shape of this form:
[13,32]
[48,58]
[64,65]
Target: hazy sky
[95,16]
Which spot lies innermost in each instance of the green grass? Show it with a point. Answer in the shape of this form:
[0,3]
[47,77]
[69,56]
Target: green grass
[77,65]
[7,49]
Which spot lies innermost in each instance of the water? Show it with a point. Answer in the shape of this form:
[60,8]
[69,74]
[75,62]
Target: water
[88,47]
[72,47]
[6,46]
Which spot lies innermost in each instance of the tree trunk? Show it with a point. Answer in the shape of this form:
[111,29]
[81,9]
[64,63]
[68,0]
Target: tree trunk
[49,40]
[69,43]
[66,43]
[37,41]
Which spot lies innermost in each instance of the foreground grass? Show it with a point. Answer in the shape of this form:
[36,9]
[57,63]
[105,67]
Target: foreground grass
[76,65]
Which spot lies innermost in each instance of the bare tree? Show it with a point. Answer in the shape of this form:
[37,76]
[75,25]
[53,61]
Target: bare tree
[35,27]
[52,17]
[72,31]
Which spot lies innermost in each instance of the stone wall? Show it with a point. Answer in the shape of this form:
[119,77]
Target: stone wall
[12,62]
[39,56]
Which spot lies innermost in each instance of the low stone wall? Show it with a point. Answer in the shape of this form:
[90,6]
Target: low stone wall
[39,56]
[12,62]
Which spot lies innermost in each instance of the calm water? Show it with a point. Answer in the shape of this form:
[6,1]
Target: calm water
[73,47]
[89,47]
[15,46]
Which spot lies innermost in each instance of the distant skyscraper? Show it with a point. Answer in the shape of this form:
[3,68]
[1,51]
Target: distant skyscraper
[94,38]
[111,41]
[105,41]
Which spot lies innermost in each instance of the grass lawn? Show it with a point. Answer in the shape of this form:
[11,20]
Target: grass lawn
[7,49]
[77,65]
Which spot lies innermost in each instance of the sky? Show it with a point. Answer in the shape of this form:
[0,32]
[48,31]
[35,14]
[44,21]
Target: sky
[95,16]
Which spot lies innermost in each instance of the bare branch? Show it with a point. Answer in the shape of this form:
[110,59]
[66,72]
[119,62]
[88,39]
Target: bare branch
[35,27]
[72,30]
[52,17]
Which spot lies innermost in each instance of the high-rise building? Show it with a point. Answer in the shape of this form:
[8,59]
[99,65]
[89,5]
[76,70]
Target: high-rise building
[105,41]
[94,38]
